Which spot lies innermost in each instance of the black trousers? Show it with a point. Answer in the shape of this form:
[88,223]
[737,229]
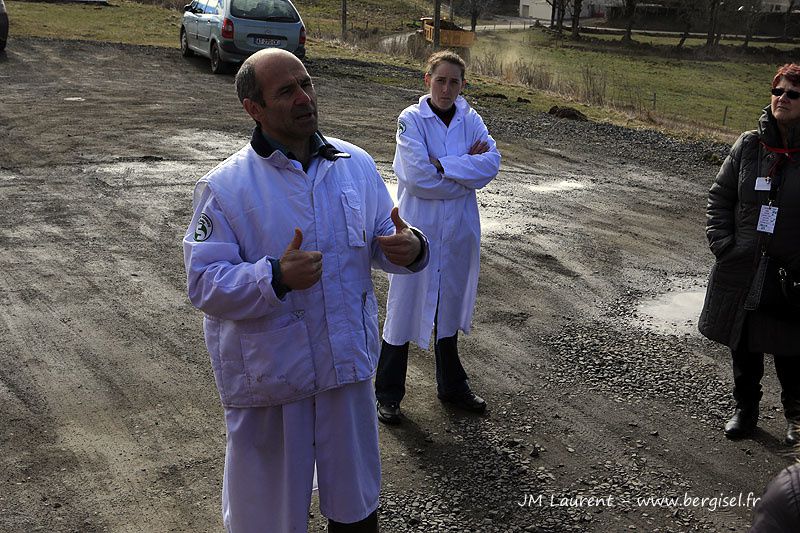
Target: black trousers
[748,369]
[390,379]
[368,525]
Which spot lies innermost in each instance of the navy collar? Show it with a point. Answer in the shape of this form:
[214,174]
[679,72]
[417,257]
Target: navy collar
[265,147]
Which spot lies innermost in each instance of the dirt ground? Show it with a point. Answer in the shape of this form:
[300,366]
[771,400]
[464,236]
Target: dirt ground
[584,344]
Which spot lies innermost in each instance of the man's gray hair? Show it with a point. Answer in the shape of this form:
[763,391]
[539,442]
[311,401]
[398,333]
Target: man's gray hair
[247,85]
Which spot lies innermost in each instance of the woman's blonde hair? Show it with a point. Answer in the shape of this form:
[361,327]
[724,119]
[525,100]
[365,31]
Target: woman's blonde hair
[448,56]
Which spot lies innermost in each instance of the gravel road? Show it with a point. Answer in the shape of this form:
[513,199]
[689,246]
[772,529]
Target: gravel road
[603,398]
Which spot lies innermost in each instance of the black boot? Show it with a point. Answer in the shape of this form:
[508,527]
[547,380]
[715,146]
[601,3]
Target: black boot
[368,525]
[742,423]
[788,368]
[793,432]
[748,369]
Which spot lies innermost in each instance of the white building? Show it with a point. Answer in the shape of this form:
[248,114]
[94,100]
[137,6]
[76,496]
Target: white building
[543,10]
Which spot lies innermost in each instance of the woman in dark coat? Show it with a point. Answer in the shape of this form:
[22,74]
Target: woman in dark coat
[779,508]
[752,305]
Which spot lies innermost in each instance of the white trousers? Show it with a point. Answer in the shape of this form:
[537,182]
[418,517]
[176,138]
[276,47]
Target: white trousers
[270,455]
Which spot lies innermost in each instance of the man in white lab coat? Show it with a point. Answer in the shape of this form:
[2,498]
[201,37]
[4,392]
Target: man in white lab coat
[278,257]
[444,155]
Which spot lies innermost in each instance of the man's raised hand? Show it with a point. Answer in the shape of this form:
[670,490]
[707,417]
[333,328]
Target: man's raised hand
[404,246]
[300,270]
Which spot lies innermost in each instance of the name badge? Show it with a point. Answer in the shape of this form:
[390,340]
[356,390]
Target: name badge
[767,218]
[763,184]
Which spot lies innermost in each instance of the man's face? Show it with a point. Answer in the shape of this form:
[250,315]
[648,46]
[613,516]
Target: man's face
[445,83]
[289,112]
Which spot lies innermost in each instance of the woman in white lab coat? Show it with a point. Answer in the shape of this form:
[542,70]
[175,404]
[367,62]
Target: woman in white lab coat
[444,154]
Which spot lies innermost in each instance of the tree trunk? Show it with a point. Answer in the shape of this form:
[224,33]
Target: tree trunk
[686,30]
[576,18]
[630,15]
[562,11]
[712,21]
[344,20]
[473,19]
[787,17]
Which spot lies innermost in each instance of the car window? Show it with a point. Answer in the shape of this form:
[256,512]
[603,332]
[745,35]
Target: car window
[211,7]
[272,10]
[199,6]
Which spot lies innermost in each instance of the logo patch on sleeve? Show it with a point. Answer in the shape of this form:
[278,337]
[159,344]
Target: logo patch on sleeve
[204,228]
[401,127]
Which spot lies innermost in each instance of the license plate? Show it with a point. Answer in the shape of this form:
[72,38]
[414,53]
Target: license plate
[263,41]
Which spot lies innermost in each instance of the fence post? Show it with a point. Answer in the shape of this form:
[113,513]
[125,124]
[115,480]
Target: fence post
[654,100]
[725,115]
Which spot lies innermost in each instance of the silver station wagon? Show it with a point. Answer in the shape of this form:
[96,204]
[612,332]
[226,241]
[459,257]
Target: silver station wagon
[228,31]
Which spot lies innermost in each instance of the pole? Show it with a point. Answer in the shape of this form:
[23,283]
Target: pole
[437,22]
[725,115]
[344,20]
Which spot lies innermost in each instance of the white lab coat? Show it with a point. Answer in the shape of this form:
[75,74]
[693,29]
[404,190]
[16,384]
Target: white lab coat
[266,351]
[445,208]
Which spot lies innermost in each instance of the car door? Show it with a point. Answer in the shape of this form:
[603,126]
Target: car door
[191,20]
[207,24]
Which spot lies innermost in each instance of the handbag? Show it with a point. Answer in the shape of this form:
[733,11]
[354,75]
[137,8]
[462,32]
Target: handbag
[774,290]
[790,286]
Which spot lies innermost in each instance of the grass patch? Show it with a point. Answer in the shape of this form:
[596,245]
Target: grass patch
[691,42]
[691,91]
[121,21]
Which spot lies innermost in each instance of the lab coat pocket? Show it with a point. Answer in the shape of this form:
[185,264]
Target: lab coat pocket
[278,364]
[369,315]
[356,231]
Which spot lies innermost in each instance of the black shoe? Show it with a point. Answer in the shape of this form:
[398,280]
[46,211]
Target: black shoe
[742,423]
[469,401]
[793,432]
[389,413]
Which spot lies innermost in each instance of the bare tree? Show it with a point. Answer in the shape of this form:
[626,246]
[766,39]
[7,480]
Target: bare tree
[558,12]
[751,11]
[787,17]
[713,21]
[577,5]
[687,11]
[475,8]
[630,17]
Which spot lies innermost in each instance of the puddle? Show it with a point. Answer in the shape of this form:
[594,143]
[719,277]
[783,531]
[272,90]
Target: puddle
[149,174]
[206,144]
[674,312]
[74,99]
[557,186]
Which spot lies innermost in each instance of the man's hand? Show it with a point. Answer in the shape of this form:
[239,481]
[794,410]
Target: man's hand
[479,147]
[300,270]
[403,247]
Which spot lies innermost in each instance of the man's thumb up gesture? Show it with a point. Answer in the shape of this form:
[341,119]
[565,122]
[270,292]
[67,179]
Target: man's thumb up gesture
[300,270]
[403,247]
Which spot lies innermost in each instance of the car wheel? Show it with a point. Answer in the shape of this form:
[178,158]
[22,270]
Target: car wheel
[218,66]
[185,50]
